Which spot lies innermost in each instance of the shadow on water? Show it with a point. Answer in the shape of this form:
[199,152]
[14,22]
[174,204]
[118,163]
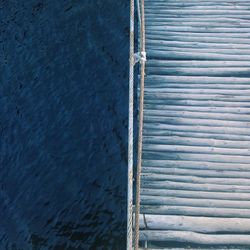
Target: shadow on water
[63,97]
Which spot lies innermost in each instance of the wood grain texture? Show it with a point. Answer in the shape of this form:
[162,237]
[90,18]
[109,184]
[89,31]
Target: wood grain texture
[196,139]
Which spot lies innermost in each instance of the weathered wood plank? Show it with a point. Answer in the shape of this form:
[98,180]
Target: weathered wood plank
[200,39]
[245,125]
[200,7]
[197,34]
[196,135]
[195,91]
[196,114]
[195,179]
[216,19]
[212,71]
[192,12]
[197,224]
[197,79]
[190,141]
[194,23]
[197,86]
[196,172]
[204,29]
[149,128]
[154,16]
[153,147]
[167,55]
[219,51]
[196,165]
[191,237]
[217,110]
[170,155]
[237,2]
[195,194]
[204,45]
[195,211]
[200,103]
[194,186]
[202,97]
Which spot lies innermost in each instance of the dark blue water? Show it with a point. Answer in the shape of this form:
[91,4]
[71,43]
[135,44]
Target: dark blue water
[63,125]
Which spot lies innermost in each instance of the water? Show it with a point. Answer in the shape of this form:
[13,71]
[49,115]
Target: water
[63,126]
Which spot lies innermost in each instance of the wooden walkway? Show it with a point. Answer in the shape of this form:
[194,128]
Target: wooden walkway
[196,141]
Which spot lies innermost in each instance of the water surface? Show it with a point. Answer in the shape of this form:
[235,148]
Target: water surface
[63,97]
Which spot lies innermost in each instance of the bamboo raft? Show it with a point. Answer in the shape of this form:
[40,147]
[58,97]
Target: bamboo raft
[195,189]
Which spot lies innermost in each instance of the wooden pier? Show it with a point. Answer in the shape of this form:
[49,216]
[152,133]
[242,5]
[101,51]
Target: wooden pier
[195,180]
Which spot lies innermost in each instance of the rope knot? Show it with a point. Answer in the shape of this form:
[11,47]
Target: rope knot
[140,57]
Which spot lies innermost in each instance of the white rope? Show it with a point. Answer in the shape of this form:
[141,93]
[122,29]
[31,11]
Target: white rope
[134,58]
[143,56]
[140,129]
[139,13]
[139,57]
[130,132]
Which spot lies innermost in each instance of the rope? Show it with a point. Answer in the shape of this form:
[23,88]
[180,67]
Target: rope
[140,129]
[139,14]
[140,56]
[130,131]
[133,58]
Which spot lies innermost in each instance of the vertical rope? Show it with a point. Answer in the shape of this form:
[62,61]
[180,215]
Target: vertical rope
[139,21]
[130,132]
[140,7]
[139,12]
[141,109]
